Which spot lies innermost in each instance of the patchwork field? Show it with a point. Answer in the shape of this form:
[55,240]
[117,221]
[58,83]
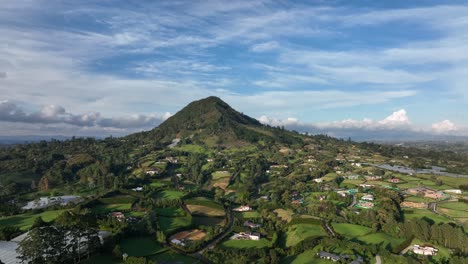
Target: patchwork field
[457,210]
[140,246]
[25,221]
[299,232]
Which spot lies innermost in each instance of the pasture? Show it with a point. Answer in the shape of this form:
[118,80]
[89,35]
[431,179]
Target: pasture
[25,221]
[299,232]
[169,195]
[140,246]
[169,224]
[245,244]
[420,213]
[351,230]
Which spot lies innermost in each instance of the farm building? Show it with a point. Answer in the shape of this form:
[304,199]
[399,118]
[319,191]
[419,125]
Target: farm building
[242,208]
[425,250]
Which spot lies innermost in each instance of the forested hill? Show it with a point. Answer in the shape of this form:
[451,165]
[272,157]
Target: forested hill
[213,122]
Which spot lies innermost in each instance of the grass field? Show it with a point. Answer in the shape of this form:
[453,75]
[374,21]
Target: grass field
[169,195]
[285,215]
[381,238]
[351,230]
[299,232]
[102,259]
[169,224]
[25,221]
[170,212]
[306,257]
[252,214]
[204,210]
[140,246]
[108,208]
[455,206]
[171,257]
[220,174]
[207,221]
[245,244]
[191,148]
[420,213]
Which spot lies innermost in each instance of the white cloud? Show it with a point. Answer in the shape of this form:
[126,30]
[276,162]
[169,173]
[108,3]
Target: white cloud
[265,46]
[443,127]
[398,118]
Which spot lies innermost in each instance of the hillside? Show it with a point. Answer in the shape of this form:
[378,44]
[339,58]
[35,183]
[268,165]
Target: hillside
[213,122]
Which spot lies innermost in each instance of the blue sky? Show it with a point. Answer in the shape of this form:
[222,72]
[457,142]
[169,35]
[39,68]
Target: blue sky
[114,67]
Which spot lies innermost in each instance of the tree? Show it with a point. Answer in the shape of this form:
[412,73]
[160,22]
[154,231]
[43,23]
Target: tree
[38,222]
[43,245]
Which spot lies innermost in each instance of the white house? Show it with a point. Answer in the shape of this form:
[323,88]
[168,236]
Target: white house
[243,208]
[177,242]
[455,191]
[427,251]
[137,189]
[319,180]
[368,197]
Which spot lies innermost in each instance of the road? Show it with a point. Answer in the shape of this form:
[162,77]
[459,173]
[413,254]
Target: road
[378,260]
[354,201]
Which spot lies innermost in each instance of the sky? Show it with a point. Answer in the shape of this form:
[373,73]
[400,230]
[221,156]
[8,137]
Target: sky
[99,68]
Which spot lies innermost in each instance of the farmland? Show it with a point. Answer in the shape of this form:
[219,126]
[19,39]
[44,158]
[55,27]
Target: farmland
[297,233]
[24,221]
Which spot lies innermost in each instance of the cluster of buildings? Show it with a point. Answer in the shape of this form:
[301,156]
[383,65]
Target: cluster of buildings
[243,208]
[247,235]
[296,198]
[45,202]
[425,250]
[335,258]
[426,192]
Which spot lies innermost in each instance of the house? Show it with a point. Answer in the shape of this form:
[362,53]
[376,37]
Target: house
[455,191]
[342,193]
[243,208]
[353,177]
[394,180]
[365,185]
[152,172]
[329,256]
[137,189]
[118,215]
[322,197]
[177,242]
[365,205]
[45,202]
[373,178]
[278,166]
[425,250]
[251,225]
[368,197]
[172,159]
[318,180]
[356,164]
[247,235]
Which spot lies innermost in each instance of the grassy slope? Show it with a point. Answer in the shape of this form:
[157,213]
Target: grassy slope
[25,221]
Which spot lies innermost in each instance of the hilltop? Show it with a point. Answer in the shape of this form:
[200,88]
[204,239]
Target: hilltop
[212,122]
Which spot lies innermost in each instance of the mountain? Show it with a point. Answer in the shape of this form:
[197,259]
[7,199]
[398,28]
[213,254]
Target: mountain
[213,122]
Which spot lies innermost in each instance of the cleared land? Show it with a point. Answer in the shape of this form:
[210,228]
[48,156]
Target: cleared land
[204,210]
[285,215]
[420,213]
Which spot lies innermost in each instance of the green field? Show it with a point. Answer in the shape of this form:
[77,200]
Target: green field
[420,213]
[25,221]
[204,210]
[171,257]
[207,221]
[246,244]
[306,257]
[220,174]
[252,214]
[351,230]
[108,208]
[140,246]
[169,224]
[170,212]
[455,206]
[299,232]
[381,238]
[169,195]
